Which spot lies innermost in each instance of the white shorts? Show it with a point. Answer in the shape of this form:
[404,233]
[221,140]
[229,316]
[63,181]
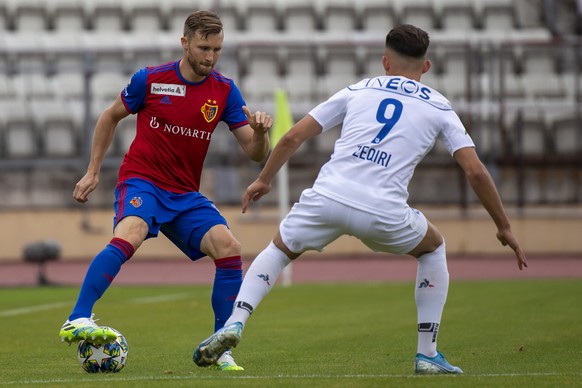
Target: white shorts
[315,221]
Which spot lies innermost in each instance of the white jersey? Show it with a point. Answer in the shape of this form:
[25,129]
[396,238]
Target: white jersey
[389,124]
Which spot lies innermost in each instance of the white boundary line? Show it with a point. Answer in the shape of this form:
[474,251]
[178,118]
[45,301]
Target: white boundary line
[33,309]
[109,378]
[56,305]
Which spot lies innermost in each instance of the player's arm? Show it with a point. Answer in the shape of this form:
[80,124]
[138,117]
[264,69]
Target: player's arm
[305,129]
[484,187]
[102,138]
[254,137]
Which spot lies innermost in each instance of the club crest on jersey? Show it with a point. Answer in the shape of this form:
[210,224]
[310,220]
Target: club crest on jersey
[209,111]
[136,201]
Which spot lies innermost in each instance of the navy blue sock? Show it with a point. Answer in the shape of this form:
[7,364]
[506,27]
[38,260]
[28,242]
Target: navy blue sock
[227,283]
[103,269]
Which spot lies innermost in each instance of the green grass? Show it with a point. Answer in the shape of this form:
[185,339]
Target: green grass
[506,334]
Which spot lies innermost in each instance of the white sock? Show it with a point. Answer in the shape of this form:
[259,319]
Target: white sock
[258,282]
[430,294]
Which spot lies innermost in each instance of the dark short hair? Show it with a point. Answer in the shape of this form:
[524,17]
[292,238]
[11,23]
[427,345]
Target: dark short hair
[408,40]
[204,22]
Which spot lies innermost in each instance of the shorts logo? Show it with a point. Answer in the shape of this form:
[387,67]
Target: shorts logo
[209,111]
[168,89]
[136,201]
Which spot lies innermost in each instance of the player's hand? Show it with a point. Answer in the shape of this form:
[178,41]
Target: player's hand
[507,238]
[85,186]
[259,121]
[254,192]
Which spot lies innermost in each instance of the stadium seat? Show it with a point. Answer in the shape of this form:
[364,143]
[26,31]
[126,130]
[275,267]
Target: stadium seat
[68,85]
[67,15]
[261,16]
[24,52]
[432,79]
[78,111]
[497,15]
[341,68]
[108,85]
[223,146]
[27,85]
[533,184]
[455,76]
[456,14]
[29,15]
[506,184]
[124,135]
[145,15]
[301,75]
[261,73]
[106,15]
[528,16]
[64,51]
[432,183]
[567,136]
[419,13]
[377,16]
[146,49]
[4,18]
[20,136]
[558,185]
[486,134]
[530,134]
[108,50]
[540,76]
[372,62]
[512,81]
[227,180]
[6,86]
[300,17]
[59,137]
[339,15]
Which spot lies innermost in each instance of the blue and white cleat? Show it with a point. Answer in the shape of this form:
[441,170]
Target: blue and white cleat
[424,365]
[210,350]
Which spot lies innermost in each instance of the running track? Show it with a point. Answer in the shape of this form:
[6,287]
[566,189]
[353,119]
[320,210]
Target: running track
[307,269]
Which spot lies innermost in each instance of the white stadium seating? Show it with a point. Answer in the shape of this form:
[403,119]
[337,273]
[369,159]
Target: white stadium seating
[495,60]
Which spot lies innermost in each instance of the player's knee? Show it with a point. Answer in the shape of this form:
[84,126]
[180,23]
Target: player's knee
[231,247]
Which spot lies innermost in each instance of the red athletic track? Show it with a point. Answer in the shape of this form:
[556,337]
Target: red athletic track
[307,269]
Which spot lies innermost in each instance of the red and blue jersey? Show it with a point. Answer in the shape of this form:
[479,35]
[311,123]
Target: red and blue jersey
[175,122]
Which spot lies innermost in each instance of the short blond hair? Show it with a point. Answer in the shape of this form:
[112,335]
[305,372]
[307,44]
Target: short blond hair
[204,22]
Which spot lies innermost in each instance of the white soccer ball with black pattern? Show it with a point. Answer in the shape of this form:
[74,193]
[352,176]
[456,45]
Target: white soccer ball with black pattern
[107,358]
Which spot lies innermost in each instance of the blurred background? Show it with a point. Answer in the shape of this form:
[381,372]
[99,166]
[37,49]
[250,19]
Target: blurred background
[511,68]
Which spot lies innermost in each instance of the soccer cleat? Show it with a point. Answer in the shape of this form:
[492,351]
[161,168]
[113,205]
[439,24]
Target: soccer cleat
[86,329]
[424,365]
[210,350]
[226,362]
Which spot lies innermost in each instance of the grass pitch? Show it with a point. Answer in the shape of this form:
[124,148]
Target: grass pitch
[503,333]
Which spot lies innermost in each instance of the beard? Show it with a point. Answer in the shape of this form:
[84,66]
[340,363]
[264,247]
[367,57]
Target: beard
[200,69]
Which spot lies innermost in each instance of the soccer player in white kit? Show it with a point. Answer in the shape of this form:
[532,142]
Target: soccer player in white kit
[389,123]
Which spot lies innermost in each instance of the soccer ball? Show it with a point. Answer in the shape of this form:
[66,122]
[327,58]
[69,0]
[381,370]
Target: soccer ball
[107,358]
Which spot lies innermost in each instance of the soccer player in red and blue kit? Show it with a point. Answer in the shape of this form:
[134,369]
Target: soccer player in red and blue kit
[178,107]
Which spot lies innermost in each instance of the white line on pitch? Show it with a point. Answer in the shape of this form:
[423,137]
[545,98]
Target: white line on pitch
[33,309]
[280,377]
